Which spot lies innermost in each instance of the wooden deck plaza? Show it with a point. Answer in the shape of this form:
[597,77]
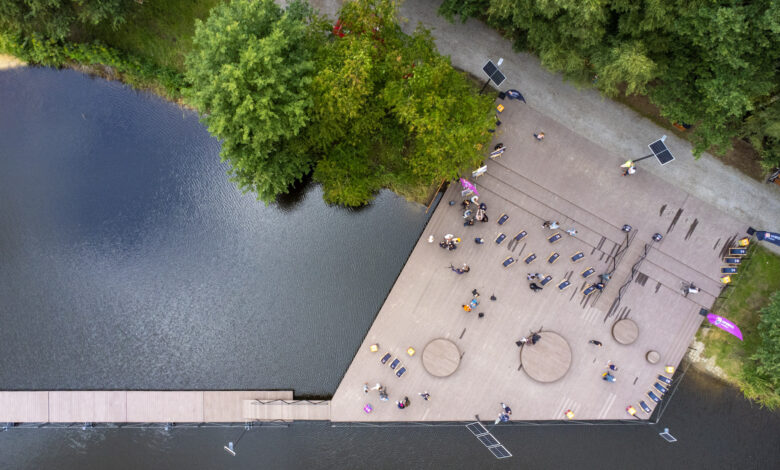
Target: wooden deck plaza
[578,183]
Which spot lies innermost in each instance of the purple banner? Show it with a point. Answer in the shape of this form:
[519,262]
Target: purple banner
[468,185]
[770,237]
[724,324]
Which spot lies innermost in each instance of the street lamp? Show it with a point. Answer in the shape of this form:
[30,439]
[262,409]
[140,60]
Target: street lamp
[230,447]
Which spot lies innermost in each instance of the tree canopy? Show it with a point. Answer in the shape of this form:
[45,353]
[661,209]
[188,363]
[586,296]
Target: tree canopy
[389,110]
[708,63]
[365,109]
[250,71]
[53,19]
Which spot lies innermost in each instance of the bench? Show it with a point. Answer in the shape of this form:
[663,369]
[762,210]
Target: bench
[520,236]
[577,256]
[401,371]
[503,219]
[508,262]
[545,281]
[500,238]
[588,272]
[554,237]
[563,285]
[553,257]
[728,270]
[530,258]
[732,260]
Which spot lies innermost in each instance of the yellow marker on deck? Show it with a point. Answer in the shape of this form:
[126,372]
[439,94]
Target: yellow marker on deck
[500,108]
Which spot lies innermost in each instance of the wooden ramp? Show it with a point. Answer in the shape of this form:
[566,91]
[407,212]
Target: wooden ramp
[286,410]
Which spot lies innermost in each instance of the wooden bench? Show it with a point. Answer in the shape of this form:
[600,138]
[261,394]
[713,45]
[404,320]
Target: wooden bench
[577,256]
[553,257]
[500,238]
[545,281]
[563,285]
[503,219]
[530,258]
[508,262]
[520,236]
[554,237]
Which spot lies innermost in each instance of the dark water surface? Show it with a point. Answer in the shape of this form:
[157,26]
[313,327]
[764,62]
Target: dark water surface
[129,261]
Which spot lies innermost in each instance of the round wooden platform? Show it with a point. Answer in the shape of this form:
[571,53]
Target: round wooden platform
[653,357]
[625,331]
[441,357]
[548,360]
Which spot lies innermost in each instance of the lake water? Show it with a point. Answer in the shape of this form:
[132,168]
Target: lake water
[129,261]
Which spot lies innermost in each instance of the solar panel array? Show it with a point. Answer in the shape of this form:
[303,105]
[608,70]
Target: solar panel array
[487,439]
[493,73]
[660,151]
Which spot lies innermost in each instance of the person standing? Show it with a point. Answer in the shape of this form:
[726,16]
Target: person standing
[596,342]
[539,136]
[572,232]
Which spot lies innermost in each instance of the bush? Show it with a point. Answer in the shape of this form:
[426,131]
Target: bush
[133,70]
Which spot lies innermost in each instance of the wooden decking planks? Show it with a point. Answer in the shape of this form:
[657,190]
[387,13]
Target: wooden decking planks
[286,410]
[130,406]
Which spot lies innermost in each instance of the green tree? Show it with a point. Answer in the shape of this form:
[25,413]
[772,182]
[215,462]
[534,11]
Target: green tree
[762,129]
[53,19]
[709,63]
[251,70]
[389,111]
[761,376]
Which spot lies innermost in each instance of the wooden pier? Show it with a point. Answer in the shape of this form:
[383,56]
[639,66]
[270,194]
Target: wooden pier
[157,407]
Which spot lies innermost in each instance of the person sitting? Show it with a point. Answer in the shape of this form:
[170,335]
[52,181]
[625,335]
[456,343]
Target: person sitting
[468,222]
[466,308]
[535,338]
[692,289]
[599,286]
[479,241]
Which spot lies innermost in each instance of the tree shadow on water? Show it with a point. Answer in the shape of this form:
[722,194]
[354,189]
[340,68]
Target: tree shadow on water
[290,201]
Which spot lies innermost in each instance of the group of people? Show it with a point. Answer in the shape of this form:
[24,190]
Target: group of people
[473,210]
[608,375]
[504,415]
[534,338]
[450,242]
[378,387]
[473,302]
[534,277]
[553,225]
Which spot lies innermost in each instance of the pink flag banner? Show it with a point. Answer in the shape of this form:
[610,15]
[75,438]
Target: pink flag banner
[468,185]
[724,324]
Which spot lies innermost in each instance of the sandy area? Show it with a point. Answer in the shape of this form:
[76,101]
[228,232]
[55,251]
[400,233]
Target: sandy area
[8,62]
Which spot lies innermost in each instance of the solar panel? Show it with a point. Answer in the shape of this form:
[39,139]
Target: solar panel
[657,147]
[493,73]
[476,429]
[664,157]
[488,440]
[500,452]
[498,77]
[661,152]
[489,68]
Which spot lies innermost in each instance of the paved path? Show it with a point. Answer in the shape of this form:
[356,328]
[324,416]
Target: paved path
[620,130]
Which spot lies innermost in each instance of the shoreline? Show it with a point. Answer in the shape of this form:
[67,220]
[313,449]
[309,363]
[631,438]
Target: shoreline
[10,62]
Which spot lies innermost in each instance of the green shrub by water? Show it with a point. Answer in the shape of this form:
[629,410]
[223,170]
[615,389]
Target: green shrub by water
[132,70]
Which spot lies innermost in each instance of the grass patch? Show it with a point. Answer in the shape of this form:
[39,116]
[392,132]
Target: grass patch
[741,304]
[159,30]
